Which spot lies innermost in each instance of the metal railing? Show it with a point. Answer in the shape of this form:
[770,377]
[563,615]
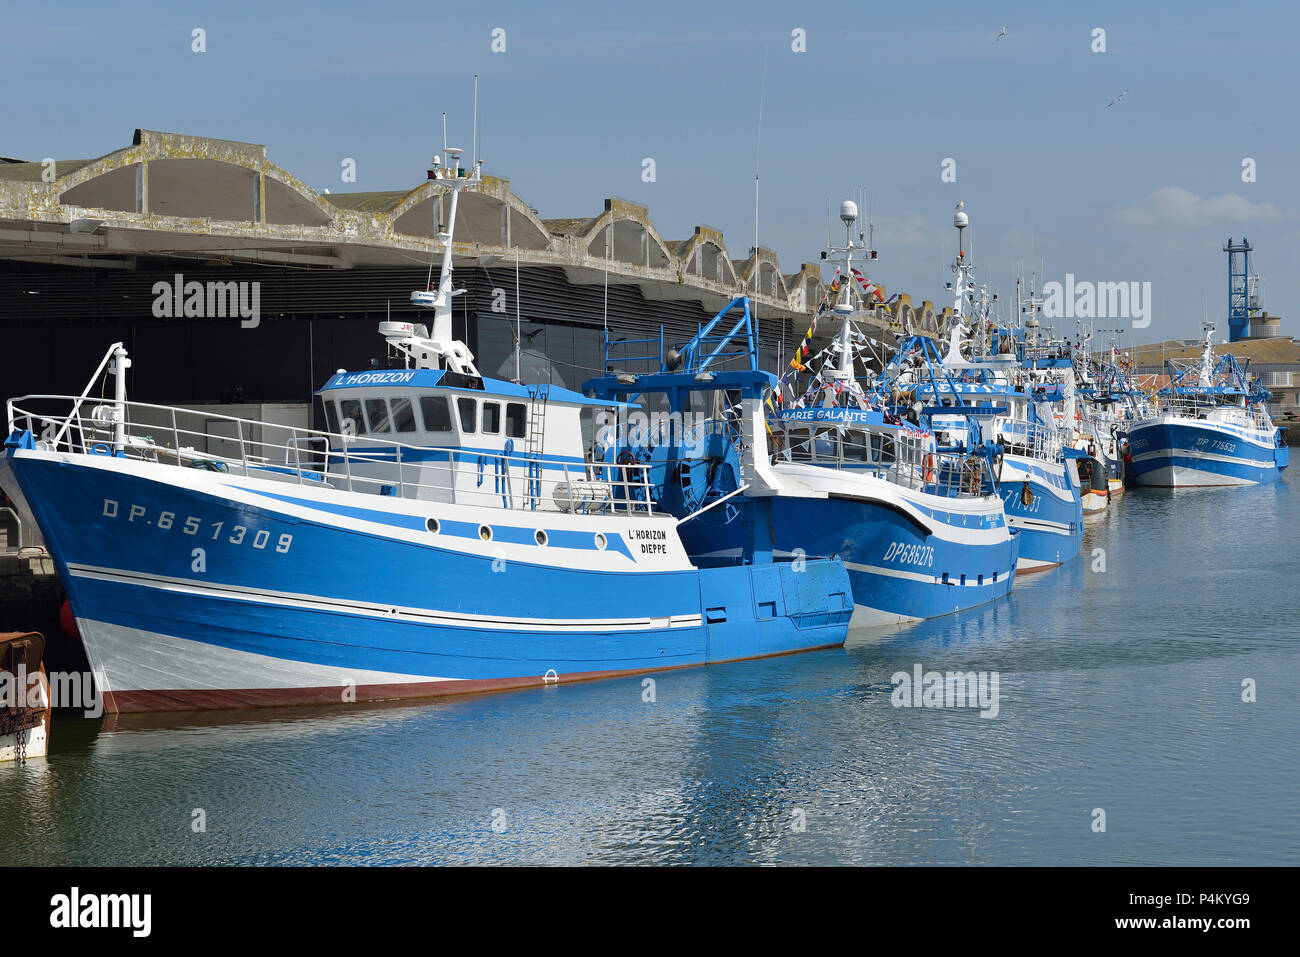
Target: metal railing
[903,458]
[372,464]
[1032,439]
[1193,407]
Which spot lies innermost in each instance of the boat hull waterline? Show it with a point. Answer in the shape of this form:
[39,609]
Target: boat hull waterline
[1173,452]
[1045,507]
[900,569]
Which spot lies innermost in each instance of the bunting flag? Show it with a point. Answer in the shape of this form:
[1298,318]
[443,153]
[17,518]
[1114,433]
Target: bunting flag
[869,289]
[803,355]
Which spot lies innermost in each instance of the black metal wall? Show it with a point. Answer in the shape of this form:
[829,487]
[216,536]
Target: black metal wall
[57,321]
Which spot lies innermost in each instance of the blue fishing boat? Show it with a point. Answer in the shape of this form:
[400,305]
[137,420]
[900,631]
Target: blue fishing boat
[997,397]
[447,533]
[1111,403]
[920,528]
[1212,428]
[1054,373]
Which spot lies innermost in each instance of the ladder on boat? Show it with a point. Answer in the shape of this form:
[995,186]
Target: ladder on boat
[536,441]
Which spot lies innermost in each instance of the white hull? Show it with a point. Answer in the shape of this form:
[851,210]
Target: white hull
[865,616]
[37,743]
[1181,476]
[1033,565]
[131,659]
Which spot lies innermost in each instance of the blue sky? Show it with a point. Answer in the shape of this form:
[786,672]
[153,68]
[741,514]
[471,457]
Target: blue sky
[1054,179]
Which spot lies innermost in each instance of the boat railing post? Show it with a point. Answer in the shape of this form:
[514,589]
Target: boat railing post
[239,432]
[401,482]
[119,366]
[176,436]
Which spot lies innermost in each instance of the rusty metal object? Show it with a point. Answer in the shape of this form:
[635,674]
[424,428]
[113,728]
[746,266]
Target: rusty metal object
[25,705]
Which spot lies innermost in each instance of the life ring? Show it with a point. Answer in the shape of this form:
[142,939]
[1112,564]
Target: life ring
[930,474]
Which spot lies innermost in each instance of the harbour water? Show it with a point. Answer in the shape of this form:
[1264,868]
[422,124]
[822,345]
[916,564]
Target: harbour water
[1121,685]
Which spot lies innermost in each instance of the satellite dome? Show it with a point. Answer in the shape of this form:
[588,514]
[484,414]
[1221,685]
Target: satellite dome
[848,212]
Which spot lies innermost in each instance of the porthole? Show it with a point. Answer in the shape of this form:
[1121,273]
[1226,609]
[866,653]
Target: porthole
[600,541]
[485,532]
[432,525]
[540,536]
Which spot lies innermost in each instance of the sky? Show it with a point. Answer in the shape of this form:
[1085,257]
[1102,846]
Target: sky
[1059,172]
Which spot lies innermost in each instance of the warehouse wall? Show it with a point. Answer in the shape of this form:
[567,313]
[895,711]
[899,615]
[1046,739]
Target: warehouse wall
[57,322]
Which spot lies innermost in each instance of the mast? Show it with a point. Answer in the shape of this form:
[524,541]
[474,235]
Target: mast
[845,306]
[962,267]
[1205,376]
[410,339]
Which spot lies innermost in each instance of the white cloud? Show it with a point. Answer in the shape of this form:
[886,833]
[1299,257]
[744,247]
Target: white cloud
[1172,207]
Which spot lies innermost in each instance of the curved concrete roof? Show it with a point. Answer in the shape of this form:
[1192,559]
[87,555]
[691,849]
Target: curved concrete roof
[174,194]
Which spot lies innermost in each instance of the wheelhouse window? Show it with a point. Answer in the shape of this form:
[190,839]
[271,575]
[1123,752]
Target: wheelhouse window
[800,445]
[436,412]
[516,420]
[377,416]
[882,449]
[854,444]
[403,415]
[331,416]
[466,407]
[824,445]
[492,418]
[351,421]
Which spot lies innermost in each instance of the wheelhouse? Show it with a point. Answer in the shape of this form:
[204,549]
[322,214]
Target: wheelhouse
[445,436]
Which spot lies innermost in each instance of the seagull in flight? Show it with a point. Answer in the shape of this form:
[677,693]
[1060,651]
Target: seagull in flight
[1117,99]
[1000,35]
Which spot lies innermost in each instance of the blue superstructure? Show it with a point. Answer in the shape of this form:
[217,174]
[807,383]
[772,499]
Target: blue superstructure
[997,402]
[921,529]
